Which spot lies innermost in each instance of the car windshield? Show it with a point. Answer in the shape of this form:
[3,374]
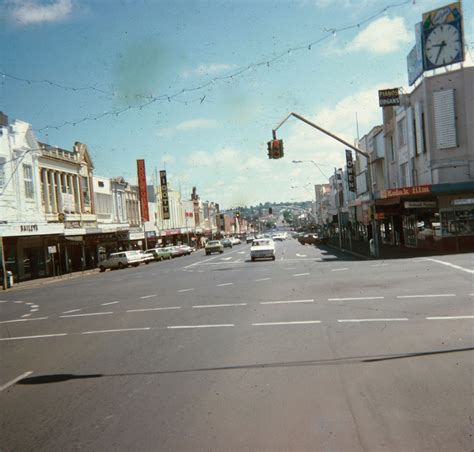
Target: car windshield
[237,225]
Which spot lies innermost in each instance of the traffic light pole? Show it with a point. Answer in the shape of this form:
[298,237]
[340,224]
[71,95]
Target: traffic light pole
[359,151]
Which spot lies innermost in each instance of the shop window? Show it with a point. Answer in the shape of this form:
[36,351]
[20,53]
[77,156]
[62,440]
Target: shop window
[3,175]
[28,180]
[457,221]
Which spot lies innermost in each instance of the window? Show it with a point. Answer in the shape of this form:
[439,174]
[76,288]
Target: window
[392,153]
[85,190]
[445,119]
[415,141]
[404,175]
[423,131]
[3,175]
[28,180]
[401,133]
[100,183]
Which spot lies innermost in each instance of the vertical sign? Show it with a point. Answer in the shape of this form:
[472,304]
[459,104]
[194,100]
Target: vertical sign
[142,190]
[350,171]
[165,206]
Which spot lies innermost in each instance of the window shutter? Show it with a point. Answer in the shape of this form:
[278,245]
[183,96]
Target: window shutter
[445,119]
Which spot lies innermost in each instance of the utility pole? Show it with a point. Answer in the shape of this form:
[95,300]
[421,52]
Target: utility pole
[4,268]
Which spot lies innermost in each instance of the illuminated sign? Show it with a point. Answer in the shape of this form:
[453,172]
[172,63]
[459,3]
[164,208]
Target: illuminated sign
[142,189]
[165,205]
[389,97]
[407,191]
[350,171]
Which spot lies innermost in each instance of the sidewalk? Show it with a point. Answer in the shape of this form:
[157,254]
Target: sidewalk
[31,284]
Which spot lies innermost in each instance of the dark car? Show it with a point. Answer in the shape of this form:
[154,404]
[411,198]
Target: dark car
[227,243]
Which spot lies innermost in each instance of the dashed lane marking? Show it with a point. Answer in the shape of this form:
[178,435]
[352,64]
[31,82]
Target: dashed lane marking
[436,295]
[400,319]
[296,322]
[448,264]
[185,290]
[311,300]
[262,279]
[23,320]
[454,317]
[339,269]
[15,380]
[224,305]
[71,311]
[168,308]
[178,327]
[225,284]
[355,298]
[148,296]
[41,336]
[109,303]
[301,274]
[89,314]
[117,330]
[25,315]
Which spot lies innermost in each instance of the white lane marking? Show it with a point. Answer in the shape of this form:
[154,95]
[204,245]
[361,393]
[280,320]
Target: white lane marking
[428,295]
[148,296]
[154,309]
[311,300]
[471,294]
[448,264]
[31,337]
[25,315]
[224,305]
[339,269]
[400,319]
[379,265]
[30,304]
[226,258]
[34,310]
[301,274]
[34,306]
[18,302]
[200,262]
[297,322]
[178,327]
[241,252]
[185,290]
[454,317]
[225,284]
[110,302]
[301,255]
[85,315]
[262,279]
[23,320]
[355,298]
[71,311]
[117,330]
[290,268]
[15,380]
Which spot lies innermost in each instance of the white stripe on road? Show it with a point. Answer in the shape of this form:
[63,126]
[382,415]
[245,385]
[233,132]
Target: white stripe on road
[71,311]
[400,319]
[225,284]
[23,320]
[339,269]
[185,290]
[428,295]
[225,305]
[301,274]
[148,296]
[178,327]
[85,315]
[455,317]
[15,380]
[355,298]
[154,309]
[32,337]
[311,300]
[297,322]
[110,302]
[448,264]
[262,279]
[379,265]
[116,331]
[25,315]
[34,310]
[18,302]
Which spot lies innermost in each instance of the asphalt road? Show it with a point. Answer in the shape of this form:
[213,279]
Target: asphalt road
[314,351]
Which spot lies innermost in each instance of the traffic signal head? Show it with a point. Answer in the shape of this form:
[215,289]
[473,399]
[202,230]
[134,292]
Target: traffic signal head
[275,149]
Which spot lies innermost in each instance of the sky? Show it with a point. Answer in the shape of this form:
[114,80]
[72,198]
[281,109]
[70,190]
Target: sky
[195,87]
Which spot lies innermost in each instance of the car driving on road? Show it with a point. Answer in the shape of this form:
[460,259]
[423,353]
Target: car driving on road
[214,246]
[262,249]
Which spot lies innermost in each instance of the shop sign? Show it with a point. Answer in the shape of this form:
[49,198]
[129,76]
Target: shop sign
[165,206]
[29,228]
[350,171]
[389,97]
[462,202]
[150,234]
[142,190]
[419,204]
[135,236]
[406,191]
[52,249]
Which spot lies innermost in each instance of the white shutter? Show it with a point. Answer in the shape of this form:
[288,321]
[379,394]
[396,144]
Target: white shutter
[445,119]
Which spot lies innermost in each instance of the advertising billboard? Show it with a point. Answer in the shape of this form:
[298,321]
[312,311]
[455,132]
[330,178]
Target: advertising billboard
[142,190]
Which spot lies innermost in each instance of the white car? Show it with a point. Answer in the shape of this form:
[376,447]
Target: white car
[279,237]
[262,249]
[122,259]
[235,241]
[146,256]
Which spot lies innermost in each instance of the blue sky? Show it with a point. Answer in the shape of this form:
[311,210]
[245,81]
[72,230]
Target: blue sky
[213,129]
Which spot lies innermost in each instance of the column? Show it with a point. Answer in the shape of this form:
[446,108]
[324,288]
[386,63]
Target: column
[78,196]
[44,183]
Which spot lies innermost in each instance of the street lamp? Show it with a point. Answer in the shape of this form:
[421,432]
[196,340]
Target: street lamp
[350,146]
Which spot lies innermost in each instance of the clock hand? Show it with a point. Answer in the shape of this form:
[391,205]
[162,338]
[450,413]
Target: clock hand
[441,46]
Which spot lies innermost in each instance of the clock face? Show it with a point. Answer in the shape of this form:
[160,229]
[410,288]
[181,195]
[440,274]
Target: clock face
[443,45]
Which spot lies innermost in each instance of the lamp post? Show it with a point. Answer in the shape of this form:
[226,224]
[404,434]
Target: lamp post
[350,146]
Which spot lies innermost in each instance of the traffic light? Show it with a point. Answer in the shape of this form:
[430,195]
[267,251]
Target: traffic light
[275,149]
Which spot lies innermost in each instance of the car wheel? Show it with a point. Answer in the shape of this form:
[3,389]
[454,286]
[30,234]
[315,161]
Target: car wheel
[102,269]
[207,254]
[121,266]
[273,258]
[253,259]
[147,262]
[136,265]
[220,252]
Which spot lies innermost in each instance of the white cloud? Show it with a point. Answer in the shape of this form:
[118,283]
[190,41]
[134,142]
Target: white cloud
[382,36]
[27,12]
[199,123]
[208,69]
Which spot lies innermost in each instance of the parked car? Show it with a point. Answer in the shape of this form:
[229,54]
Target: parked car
[214,246]
[122,259]
[279,237]
[250,239]
[262,249]
[186,249]
[235,240]
[160,254]
[308,239]
[226,243]
[146,257]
